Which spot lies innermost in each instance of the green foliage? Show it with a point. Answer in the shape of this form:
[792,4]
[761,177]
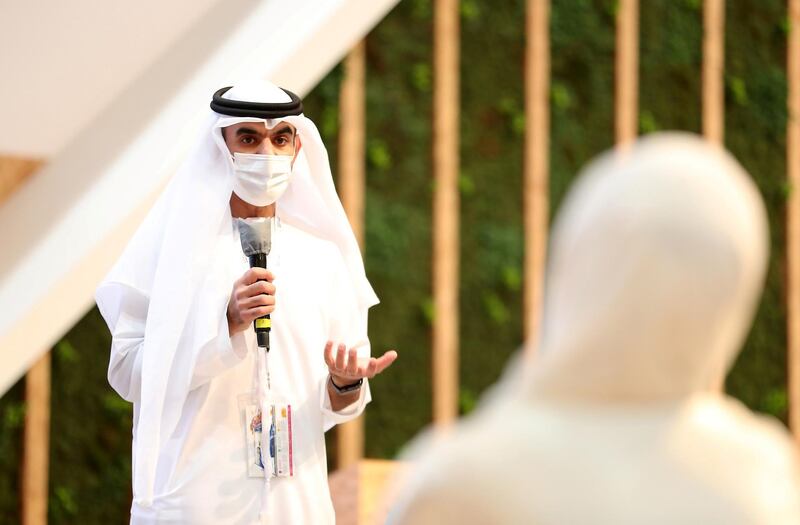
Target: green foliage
[428,310]
[647,123]
[14,416]
[582,62]
[11,420]
[90,441]
[470,10]
[737,90]
[671,61]
[66,352]
[467,401]
[495,307]
[421,77]
[378,155]
[755,133]
[64,507]
[466,186]
[560,97]
[512,278]
[421,10]
[91,431]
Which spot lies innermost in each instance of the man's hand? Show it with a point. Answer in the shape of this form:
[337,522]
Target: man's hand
[253,296]
[345,368]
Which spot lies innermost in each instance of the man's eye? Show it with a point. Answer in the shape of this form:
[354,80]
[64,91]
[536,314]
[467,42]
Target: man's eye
[281,141]
[248,141]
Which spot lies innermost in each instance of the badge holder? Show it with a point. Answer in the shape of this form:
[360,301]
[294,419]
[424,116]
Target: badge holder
[279,458]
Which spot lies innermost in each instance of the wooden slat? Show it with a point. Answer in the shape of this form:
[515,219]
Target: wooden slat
[713,92]
[627,77]
[445,211]
[36,458]
[537,143]
[713,66]
[793,219]
[352,124]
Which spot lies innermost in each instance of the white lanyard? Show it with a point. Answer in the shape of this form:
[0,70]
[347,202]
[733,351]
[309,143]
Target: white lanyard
[264,392]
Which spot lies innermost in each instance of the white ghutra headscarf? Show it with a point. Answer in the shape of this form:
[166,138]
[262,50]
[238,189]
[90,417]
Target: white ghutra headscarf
[168,260]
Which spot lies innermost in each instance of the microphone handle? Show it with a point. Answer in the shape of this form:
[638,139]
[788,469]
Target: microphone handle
[263,324]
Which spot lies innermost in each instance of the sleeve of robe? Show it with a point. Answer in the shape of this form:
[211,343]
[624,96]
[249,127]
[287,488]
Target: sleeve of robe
[348,325]
[127,339]
[125,364]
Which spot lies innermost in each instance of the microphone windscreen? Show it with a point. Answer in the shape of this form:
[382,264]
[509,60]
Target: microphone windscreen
[255,234]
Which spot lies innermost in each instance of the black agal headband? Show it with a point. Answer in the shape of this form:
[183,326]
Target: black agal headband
[265,110]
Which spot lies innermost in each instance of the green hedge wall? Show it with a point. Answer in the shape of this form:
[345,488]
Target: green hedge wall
[90,440]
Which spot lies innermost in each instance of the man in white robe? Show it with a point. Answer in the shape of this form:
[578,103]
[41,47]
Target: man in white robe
[181,301]
[656,265]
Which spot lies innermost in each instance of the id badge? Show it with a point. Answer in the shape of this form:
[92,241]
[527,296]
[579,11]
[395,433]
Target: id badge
[278,461]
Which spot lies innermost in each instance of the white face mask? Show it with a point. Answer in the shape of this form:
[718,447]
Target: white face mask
[261,179]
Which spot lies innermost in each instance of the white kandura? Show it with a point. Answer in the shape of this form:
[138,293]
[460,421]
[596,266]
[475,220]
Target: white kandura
[165,303]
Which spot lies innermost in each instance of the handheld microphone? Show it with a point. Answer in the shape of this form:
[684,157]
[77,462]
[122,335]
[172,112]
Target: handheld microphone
[256,237]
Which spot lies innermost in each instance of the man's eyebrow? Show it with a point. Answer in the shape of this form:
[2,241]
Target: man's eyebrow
[248,131]
[283,129]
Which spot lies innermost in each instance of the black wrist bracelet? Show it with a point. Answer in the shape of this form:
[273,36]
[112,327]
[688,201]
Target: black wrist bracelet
[346,388]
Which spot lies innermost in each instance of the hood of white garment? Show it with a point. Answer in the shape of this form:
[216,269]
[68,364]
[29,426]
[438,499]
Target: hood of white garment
[656,265]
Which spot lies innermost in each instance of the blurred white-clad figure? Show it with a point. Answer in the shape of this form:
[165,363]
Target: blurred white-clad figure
[656,266]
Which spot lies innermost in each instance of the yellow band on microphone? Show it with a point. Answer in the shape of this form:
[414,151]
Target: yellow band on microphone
[263,323]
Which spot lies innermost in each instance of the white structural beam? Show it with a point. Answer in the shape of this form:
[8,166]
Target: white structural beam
[64,62]
[69,223]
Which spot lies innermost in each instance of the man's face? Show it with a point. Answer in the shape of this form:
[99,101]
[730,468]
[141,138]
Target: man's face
[254,137]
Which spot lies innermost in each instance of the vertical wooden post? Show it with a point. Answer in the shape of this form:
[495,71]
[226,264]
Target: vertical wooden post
[350,437]
[352,126]
[713,93]
[537,156]
[793,218]
[36,454]
[627,77]
[37,443]
[713,67]
[445,211]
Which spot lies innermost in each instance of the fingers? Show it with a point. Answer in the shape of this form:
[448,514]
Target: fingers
[352,362]
[329,354]
[340,357]
[256,288]
[257,301]
[383,362]
[253,296]
[345,363]
[257,274]
[372,368]
[248,316]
